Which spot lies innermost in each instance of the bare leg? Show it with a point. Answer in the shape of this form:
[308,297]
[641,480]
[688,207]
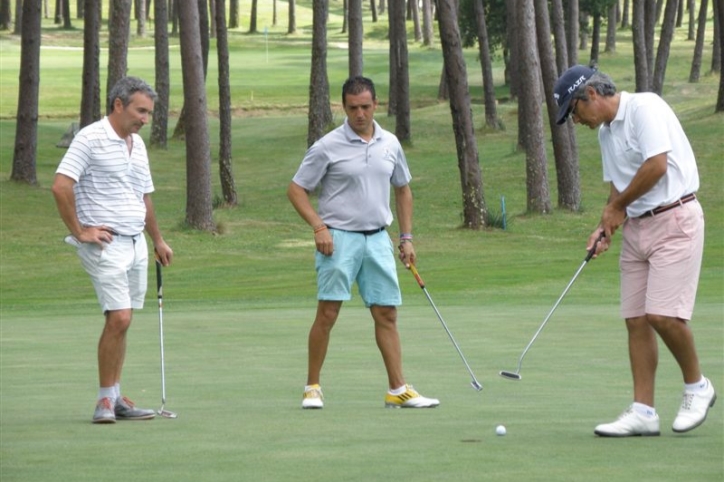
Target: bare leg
[679,339]
[327,313]
[112,346]
[644,358]
[388,341]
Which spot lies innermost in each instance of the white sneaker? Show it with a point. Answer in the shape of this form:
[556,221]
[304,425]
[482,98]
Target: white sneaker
[694,408]
[630,423]
[313,397]
[410,399]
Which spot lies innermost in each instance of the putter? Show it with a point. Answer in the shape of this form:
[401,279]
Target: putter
[475,384]
[516,375]
[159,283]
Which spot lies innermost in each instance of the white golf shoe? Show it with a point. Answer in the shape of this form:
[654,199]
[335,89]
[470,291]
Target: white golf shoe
[694,408]
[630,423]
[313,397]
[410,399]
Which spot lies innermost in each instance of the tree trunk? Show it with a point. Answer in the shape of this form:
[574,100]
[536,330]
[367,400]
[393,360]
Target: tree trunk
[427,26]
[529,104]
[26,121]
[226,173]
[199,214]
[234,14]
[639,47]
[90,102]
[720,97]
[566,154]
[595,39]
[398,44]
[159,124]
[699,46]
[141,18]
[662,53]
[558,27]
[292,27]
[119,28]
[611,30]
[320,113]
[252,17]
[716,51]
[471,179]
[573,14]
[512,63]
[486,64]
[415,11]
[355,36]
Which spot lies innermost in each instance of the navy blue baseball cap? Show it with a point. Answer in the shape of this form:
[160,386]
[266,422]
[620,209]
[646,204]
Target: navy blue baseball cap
[566,86]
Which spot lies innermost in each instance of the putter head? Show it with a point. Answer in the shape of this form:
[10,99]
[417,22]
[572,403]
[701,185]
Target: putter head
[167,413]
[476,385]
[510,375]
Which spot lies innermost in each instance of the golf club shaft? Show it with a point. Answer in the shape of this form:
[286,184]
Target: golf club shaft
[475,382]
[159,284]
[589,256]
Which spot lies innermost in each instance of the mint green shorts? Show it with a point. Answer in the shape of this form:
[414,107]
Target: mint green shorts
[368,260]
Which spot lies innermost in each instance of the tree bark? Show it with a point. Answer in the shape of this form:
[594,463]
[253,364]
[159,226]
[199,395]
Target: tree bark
[529,105]
[159,124]
[199,214]
[662,53]
[486,64]
[226,173]
[119,28]
[565,152]
[26,126]
[471,180]
[320,113]
[639,47]
[398,46]
[355,38]
[699,45]
[90,102]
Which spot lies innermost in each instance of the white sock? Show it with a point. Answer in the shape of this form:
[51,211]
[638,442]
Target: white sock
[310,387]
[644,410]
[117,388]
[399,391]
[107,392]
[699,386]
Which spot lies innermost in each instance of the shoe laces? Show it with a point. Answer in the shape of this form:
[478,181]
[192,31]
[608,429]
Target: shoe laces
[313,393]
[127,401]
[105,403]
[686,401]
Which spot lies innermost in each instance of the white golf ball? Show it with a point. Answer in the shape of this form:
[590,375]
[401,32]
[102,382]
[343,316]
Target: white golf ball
[500,430]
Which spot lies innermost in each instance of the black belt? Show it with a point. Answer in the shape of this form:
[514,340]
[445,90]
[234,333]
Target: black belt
[366,233]
[675,204]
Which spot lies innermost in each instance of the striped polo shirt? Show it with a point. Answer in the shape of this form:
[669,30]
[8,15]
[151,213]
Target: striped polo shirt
[110,180]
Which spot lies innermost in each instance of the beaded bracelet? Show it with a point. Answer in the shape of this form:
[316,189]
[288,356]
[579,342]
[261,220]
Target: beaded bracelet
[320,228]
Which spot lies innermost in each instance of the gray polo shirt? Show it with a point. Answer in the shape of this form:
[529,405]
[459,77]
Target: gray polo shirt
[354,177]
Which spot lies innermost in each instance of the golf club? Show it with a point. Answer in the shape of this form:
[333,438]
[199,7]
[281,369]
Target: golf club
[159,283]
[516,375]
[475,384]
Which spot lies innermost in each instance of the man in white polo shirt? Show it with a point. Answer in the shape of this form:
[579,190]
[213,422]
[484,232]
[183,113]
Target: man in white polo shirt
[354,166]
[103,189]
[651,168]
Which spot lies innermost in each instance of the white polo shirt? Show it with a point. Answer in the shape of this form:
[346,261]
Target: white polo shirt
[644,126]
[110,181]
[354,177]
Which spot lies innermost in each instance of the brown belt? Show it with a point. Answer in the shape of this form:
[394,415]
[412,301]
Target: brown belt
[675,204]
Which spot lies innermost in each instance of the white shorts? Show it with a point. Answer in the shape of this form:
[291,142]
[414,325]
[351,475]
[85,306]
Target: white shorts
[119,271]
[660,263]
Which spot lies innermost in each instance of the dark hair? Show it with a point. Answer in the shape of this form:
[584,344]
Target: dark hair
[126,87]
[357,85]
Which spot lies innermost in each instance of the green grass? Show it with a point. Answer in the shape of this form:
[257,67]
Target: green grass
[238,306]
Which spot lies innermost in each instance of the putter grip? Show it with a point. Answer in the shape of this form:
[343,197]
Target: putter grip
[159,279]
[592,251]
[417,276]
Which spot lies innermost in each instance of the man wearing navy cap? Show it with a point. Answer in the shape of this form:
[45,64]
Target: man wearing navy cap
[651,168]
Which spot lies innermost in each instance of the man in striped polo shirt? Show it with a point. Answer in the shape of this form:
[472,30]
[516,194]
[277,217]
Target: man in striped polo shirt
[103,189]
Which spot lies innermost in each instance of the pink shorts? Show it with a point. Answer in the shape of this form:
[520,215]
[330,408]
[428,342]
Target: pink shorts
[660,262]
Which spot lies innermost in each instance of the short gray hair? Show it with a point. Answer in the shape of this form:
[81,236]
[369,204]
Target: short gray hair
[126,87]
[600,82]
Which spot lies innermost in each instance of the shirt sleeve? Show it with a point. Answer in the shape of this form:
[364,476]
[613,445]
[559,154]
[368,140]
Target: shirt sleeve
[313,167]
[76,160]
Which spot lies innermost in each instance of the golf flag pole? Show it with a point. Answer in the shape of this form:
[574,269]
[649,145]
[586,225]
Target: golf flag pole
[475,384]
